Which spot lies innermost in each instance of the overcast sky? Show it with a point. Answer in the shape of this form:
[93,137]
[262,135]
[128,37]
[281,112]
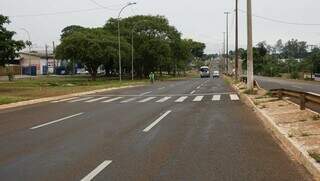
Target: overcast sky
[202,20]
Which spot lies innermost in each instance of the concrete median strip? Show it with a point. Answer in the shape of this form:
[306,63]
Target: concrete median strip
[56,121]
[157,121]
[97,170]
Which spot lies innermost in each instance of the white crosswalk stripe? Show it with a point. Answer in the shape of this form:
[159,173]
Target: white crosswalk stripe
[181,99]
[96,99]
[63,100]
[147,99]
[113,99]
[234,97]
[216,97]
[129,100]
[81,99]
[198,98]
[164,99]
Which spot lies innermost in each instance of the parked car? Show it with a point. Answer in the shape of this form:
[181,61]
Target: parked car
[204,71]
[216,74]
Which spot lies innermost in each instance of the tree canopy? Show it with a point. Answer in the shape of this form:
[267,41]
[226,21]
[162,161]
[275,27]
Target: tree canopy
[8,46]
[157,46]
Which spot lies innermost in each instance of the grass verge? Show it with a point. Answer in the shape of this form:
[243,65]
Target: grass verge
[26,89]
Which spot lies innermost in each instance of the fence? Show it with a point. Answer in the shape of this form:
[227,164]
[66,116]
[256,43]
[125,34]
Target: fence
[14,69]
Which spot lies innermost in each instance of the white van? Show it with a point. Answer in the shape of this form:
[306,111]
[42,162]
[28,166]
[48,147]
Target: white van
[204,71]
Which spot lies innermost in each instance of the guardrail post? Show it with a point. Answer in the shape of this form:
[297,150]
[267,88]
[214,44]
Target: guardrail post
[280,94]
[302,101]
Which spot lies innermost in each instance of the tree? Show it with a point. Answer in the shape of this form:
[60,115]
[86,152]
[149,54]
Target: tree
[8,47]
[69,30]
[90,47]
[295,49]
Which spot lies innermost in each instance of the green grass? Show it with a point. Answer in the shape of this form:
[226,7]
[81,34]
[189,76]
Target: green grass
[27,89]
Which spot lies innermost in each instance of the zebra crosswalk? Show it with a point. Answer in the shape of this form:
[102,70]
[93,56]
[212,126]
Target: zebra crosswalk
[156,99]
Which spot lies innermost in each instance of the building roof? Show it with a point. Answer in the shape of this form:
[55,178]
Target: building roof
[37,54]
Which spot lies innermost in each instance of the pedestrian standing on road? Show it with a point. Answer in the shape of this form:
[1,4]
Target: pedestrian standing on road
[151,77]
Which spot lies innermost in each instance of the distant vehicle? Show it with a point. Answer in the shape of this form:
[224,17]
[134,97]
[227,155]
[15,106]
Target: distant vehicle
[215,74]
[204,71]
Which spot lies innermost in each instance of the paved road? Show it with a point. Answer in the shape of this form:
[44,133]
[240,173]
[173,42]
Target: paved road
[181,130]
[276,83]
[304,86]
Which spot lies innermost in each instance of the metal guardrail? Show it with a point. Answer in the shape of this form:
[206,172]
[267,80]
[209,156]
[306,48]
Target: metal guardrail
[304,97]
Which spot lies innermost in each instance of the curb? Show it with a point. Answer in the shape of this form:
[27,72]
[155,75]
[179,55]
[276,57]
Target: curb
[301,155]
[46,99]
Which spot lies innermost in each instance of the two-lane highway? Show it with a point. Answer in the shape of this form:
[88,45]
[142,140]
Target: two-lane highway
[193,129]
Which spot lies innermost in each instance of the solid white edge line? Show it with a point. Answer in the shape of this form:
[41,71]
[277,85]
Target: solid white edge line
[56,121]
[156,121]
[97,170]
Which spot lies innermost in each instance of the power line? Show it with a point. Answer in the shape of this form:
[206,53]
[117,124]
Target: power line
[62,12]
[281,21]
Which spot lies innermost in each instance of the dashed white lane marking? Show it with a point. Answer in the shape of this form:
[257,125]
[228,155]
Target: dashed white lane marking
[145,93]
[147,99]
[296,86]
[67,99]
[113,99]
[97,99]
[192,92]
[162,88]
[198,98]
[198,87]
[129,100]
[56,121]
[216,97]
[156,121]
[164,99]
[97,170]
[81,99]
[234,97]
[181,99]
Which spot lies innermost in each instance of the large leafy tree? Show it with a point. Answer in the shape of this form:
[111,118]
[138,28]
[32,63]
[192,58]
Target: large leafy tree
[157,45]
[8,47]
[91,47]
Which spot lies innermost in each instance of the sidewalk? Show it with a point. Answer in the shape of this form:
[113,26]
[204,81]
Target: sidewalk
[5,78]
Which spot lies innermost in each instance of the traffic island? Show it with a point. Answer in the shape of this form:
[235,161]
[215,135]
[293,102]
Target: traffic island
[298,130]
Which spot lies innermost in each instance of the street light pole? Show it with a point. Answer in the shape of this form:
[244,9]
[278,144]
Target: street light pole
[227,31]
[237,44]
[29,39]
[119,34]
[249,48]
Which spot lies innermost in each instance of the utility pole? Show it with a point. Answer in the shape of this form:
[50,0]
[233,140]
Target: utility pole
[249,48]
[224,52]
[54,57]
[237,44]
[227,31]
[46,47]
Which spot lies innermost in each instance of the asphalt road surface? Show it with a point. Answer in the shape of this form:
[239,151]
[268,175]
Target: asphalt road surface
[304,86]
[194,129]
